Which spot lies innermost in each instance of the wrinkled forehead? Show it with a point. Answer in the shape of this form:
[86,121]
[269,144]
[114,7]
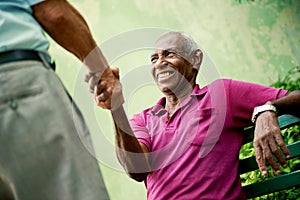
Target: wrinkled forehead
[171,41]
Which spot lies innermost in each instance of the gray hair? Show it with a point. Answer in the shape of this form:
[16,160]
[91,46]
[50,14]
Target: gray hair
[189,43]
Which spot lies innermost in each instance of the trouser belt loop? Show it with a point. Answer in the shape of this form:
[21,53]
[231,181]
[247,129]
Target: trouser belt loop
[46,63]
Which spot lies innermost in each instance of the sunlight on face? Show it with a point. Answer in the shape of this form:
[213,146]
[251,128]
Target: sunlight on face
[171,66]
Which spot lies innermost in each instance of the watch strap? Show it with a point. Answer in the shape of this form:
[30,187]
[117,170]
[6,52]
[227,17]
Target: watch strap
[260,109]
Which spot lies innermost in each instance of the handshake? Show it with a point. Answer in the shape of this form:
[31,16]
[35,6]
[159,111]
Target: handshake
[103,81]
[106,88]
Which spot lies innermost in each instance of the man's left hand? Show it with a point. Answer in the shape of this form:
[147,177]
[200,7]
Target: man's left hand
[268,142]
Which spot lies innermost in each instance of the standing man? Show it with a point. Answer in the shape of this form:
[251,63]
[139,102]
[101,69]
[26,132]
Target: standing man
[186,146]
[43,137]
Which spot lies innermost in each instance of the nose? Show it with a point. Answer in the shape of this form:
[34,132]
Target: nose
[161,61]
[158,65]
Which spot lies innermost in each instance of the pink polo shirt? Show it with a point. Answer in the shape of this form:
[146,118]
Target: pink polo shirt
[194,153]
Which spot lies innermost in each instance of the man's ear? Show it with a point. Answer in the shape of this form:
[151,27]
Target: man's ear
[197,59]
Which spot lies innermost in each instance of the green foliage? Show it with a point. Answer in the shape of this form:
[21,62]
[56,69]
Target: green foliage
[290,82]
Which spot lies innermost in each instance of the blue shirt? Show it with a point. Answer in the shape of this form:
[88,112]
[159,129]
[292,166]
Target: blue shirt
[19,29]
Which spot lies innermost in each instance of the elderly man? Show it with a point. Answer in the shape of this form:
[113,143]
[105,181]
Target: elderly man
[186,146]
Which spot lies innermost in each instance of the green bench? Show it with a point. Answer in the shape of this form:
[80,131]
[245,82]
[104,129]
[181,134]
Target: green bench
[277,182]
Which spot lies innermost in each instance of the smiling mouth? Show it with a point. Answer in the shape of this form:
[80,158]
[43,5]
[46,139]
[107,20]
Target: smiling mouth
[164,75]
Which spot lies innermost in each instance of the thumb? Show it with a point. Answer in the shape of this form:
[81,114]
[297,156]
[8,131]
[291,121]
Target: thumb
[115,72]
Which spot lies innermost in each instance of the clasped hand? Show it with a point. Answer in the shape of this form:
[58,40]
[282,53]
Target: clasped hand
[268,142]
[106,88]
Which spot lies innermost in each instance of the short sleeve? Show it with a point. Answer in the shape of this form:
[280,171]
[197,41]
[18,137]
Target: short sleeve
[33,2]
[244,96]
[139,128]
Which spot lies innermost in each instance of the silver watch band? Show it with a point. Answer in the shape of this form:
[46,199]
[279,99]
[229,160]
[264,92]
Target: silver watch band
[260,109]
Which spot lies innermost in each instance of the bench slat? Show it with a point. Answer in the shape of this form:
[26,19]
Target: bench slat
[286,121]
[273,184]
[278,182]
[249,164]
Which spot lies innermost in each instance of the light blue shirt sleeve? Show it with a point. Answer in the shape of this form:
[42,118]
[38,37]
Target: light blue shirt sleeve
[33,2]
[19,29]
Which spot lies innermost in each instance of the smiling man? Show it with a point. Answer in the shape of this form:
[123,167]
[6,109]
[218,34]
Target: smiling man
[174,67]
[186,146]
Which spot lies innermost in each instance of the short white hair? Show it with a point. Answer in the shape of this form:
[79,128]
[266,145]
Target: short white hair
[189,43]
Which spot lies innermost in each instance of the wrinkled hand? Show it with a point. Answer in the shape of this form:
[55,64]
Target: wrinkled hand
[106,88]
[268,141]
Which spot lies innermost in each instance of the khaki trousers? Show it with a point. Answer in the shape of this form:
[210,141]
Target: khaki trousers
[43,139]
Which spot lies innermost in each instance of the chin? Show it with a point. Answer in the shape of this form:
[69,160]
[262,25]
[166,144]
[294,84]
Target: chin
[166,90]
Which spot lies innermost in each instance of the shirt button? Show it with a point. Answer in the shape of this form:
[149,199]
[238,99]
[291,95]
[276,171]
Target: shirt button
[13,104]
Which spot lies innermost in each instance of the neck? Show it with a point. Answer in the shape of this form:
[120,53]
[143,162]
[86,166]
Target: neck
[173,100]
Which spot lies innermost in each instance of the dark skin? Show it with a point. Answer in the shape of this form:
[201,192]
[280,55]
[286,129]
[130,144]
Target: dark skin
[175,75]
[125,140]
[267,135]
[69,29]
[137,167]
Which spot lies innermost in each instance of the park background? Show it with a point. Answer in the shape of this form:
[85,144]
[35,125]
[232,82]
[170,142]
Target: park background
[256,41]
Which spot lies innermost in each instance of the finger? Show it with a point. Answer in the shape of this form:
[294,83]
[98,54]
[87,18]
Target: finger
[102,97]
[260,158]
[110,102]
[91,83]
[99,88]
[275,149]
[274,170]
[87,77]
[269,155]
[91,90]
[115,72]
[106,104]
[270,159]
[107,99]
[101,105]
[280,142]
[94,80]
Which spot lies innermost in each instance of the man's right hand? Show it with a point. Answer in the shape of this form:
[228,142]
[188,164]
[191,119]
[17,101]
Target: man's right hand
[106,88]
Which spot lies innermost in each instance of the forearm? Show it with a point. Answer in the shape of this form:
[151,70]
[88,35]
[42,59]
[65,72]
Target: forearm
[131,155]
[68,28]
[289,104]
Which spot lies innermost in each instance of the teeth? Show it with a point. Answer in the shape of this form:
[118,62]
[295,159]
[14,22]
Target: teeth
[162,75]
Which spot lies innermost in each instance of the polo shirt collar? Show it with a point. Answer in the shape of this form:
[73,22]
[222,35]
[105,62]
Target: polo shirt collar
[159,108]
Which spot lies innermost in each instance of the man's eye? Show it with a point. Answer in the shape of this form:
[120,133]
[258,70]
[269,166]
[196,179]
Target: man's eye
[153,59]
[170,53]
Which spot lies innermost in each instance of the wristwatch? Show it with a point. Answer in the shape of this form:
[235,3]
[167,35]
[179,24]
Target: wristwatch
[260,109]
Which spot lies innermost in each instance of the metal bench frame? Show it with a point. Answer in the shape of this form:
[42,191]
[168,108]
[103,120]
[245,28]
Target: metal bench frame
[278,182]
